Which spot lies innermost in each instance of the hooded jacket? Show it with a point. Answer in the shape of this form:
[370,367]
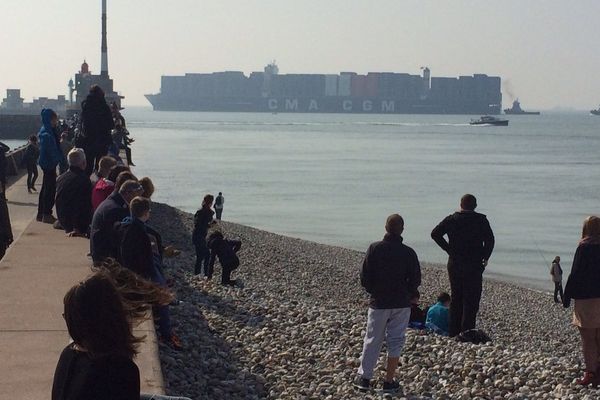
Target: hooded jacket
[97,122]
[135,249]
[390,273]
[470,237]
[102,235]
[224,249]
[74,200]
[50,153]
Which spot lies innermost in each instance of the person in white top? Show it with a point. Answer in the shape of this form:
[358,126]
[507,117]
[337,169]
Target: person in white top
[219,201]
[556,272]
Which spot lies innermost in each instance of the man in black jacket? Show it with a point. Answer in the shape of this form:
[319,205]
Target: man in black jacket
[114,209]
[469,247]
[391,274]
[97,123]
[74,196]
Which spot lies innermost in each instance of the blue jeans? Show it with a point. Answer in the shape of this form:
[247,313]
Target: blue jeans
[164,317]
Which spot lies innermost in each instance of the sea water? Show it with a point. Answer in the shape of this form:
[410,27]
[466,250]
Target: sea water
[334,178]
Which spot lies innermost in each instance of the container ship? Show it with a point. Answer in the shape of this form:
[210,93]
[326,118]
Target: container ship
[347,92]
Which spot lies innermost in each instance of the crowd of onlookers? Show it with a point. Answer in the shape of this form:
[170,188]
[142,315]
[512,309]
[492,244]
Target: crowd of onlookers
[97,196]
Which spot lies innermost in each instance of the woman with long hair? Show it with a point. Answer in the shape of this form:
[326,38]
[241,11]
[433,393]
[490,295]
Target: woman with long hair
[583,286]
[99,313]
[203,219]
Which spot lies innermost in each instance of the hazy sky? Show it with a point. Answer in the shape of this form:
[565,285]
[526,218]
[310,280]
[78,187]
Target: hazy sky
[547,50]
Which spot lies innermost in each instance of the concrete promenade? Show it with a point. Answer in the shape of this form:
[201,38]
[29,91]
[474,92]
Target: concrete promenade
[38,269]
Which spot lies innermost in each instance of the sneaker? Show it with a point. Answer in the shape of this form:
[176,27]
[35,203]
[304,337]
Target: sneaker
[391,387]
[176,303]
[39,218]
[34,189]
[231,283]
[362,384]
[29,191]
[57,225]
[48,219]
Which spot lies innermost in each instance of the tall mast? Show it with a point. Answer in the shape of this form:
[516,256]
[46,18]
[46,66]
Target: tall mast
[104,57]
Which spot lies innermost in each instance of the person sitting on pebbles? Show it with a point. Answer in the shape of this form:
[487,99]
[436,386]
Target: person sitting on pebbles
[437,315]
[391,274]
[417,314]
[226,250]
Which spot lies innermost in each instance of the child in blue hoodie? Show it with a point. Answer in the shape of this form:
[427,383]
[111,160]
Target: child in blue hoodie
[437,315]
[50,157]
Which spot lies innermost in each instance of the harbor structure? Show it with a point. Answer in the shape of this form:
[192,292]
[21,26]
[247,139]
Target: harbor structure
[84,79]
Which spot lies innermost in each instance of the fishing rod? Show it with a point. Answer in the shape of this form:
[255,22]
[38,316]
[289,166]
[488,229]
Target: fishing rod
[546,264]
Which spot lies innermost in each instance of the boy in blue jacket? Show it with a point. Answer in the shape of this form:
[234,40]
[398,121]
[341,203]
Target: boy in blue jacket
[437,315]
[50,157]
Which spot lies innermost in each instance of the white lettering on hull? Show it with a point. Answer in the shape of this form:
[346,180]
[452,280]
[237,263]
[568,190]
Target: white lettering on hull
[388,106]
[291,104]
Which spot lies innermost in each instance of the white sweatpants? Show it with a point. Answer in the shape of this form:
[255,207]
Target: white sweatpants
[390,324]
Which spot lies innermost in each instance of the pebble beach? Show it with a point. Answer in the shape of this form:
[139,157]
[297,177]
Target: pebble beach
[293,329]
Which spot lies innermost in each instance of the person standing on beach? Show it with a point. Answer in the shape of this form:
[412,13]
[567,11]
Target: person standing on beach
[469,247]
[583,285]
[557,273]
[391,274]
[219,202]
[50,157]
[202,221]
[97,122]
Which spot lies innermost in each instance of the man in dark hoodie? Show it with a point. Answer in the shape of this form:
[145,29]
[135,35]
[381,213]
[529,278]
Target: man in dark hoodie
[97,122]
[74,196]
[391,274]
[50,157]
[469,247]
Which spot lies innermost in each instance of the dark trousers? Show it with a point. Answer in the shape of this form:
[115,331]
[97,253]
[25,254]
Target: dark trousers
[128,154]
[32,175]
[466,285]
[226,275]
[164,316]
[219,212]
[48,192]
[3,248]
[93,155]
[558,289]
[202,258]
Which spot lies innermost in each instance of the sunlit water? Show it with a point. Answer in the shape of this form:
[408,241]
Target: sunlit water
[334,178]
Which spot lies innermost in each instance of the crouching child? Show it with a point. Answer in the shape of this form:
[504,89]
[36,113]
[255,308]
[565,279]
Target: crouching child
[226,250]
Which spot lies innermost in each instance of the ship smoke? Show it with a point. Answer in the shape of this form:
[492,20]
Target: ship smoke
[508,89]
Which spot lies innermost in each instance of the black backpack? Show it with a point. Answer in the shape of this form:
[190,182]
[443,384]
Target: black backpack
[475,336]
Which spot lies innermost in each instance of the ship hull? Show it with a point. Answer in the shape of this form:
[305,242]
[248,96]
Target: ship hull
[509,112]
[340,105]
[595,112]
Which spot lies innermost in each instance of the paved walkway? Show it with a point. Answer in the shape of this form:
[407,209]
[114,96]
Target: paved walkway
[38,269]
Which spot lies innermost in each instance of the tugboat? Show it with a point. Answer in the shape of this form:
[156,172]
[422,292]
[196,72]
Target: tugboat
[595,112]
[489,120]
[517,110]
